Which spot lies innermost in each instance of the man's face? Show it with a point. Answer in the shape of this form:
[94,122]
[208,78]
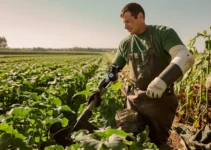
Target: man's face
[132,24]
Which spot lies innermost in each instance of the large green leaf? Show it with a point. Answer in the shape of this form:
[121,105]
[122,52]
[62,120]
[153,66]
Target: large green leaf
[108,132]
[85,92]
[56,102]
[9,129]
[51,121]
[5,141]
[8,141]
[54,147]
[65,108]
[114,142]
[116,86]
[21,111]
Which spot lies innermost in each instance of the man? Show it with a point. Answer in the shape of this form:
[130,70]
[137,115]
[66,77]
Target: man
[156,58]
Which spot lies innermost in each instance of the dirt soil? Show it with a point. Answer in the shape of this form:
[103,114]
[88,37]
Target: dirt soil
[174,139]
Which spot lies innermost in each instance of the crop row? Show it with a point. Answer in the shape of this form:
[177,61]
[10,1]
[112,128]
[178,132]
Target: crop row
[37,93]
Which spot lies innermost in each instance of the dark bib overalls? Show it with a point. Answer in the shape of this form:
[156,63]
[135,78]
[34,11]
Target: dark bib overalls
[156,113]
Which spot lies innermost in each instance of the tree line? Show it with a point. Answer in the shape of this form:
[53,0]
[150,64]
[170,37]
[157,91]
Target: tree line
[3,42]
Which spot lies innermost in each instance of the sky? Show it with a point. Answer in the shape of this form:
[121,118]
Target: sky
[94,23]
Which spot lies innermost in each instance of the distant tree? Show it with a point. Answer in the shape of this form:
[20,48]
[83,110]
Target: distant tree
[3,42]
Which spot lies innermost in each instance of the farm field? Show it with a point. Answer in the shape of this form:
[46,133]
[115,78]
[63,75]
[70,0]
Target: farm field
[41,94]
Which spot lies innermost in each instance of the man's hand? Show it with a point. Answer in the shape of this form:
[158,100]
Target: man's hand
[95,96]
[156,88]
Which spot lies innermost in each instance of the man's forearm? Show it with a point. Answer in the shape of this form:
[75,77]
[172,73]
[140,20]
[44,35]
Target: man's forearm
[182,61]
[111,76]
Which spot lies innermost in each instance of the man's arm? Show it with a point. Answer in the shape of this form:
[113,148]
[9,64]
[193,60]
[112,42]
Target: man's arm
[111,75]
[182,61]
[118,64]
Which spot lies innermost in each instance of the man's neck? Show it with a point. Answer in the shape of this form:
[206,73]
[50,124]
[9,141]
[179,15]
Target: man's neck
[142,29]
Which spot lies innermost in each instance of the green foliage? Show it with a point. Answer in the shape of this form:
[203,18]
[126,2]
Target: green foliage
[43,94]
[106,139]
[38,93]
[193,89]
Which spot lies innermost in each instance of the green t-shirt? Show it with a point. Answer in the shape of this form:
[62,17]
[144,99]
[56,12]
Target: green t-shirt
[164,38]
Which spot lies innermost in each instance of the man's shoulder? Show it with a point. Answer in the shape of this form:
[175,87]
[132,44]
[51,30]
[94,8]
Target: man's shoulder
[125,41]
[160,28]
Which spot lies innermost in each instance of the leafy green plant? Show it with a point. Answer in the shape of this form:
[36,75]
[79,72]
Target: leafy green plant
[114,139]
[193,88]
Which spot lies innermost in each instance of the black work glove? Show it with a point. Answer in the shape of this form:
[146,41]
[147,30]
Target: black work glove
[95,95]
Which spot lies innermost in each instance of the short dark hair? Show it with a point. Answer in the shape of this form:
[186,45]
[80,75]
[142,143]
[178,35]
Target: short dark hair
[134,9]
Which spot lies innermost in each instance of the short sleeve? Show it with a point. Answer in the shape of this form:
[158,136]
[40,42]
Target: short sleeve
[119,60]
[170,38]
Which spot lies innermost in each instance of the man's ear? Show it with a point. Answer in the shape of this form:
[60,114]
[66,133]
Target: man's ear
[140,16]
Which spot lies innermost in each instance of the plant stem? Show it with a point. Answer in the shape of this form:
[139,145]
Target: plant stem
[200,97]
